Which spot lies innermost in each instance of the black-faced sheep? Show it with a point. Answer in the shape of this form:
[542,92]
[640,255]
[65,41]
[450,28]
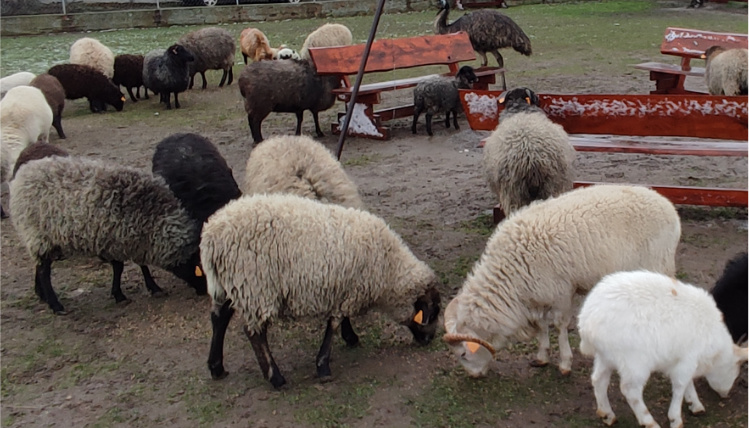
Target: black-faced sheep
[730,294]
[327,35]
[22,78]
[54,93]
[285,87]
[254,44]
[65,206]
[166,72]
[35,151]
[91,52]
[542,256]
[726,71]
[82,81]
[196,173]
[128,72]
[440,95]
[277,256]
[213,49]
[527,157]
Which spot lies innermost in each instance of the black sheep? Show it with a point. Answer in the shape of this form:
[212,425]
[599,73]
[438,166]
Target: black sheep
[128,72]
[38,150]
[54,93]
[166,72]
[730,294]
[82,81]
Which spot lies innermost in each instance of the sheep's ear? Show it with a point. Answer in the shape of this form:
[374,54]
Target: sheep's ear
[123,98]
[741,353]
[198,271]
[419,317]
[174,50]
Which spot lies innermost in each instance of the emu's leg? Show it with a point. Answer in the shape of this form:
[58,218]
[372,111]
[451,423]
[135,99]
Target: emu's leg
[631,384]
[600,379]
[205,82]
[259,342]
[317,124]
[44,273]
[429,123]
[151,285]
[348,334]
[130,92]
[484,60]
[257,135]
[117,268]
[299,118]
[176,100]
[323,356]
[542,356]
[220,317]
[501,64]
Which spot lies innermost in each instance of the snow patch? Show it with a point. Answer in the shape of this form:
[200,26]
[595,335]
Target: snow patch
[360,123]
[483,107]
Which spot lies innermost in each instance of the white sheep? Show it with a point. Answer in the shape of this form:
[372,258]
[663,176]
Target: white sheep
[726,70]
[327,35]
[91,52]
[277,256]
[22,78]
[640,322]
[300,166]
[286,53]
[527,157]
[539,258]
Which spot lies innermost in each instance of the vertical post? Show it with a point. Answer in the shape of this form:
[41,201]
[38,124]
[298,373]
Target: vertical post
[359,75]
[63,8]
[157,5]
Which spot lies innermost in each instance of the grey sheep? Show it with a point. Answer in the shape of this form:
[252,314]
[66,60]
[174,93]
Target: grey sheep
[128,72]
[527,157]
[54,93]
[440,94]
[726,71]
[289,86]
[166,72]
[65,206]
[213,49]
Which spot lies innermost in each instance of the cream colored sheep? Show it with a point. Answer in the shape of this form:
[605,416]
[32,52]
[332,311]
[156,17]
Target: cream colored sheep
[726,71]
[91,52]
[254,44]
[327,35]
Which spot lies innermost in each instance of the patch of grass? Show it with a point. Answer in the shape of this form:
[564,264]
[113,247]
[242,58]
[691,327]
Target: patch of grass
[113,415]
[482,225]
[454,271]
[362,160]
[682,275]
[314,407]
[698,213]
[8,420]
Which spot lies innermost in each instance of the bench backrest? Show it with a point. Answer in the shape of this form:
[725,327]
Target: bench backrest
[391,54]
[689,43]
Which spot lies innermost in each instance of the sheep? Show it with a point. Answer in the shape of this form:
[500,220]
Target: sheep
[91,52]
[527,157]
[640,322]
[440,94]
[488,30]
[279,255]
[64,206]
[25,117]
[22,78]
[166,72]
[82,81]
[541,256]
[285,87]
[213,49]
[54,93]
[254,44]
[286,53]
[128,72]
[326,35]
[726,70]
[196,173]
[300,166]
[730,294]
[35,151]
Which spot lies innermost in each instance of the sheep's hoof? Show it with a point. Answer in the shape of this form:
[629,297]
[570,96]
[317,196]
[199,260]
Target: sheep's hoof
[159,293]
[565,372]
[325,379]
[61,312]
[220,375]
[608,419]
[697,412]
[538,363]
[122,301]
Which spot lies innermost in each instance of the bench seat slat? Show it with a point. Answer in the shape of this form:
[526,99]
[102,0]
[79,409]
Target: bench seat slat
[660,67]
[621,144]
[690,43]
[707,196]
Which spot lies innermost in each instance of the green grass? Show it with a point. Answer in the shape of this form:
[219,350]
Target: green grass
[317,408]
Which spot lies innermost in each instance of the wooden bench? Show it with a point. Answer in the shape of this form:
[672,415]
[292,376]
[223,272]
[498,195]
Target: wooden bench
[712,125]
[686,44]
[388,55]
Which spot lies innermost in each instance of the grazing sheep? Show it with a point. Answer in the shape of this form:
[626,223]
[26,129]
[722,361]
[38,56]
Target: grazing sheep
[539,258]
[286,53]
[254,44]
[54,93]
[91,52]
[82,81]
[35,151]
[22,78]
[300,166]
[166,72]
[640,322]
[527,157]
[285,87]
[213,49]
[730,294]
[726,70]
[128,72]
[488,30]
[278,256]
[65,206]
[196,173]
[327,35]
[440,94]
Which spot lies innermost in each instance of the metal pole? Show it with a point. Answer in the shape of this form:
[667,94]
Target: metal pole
[63,8]
[359,75]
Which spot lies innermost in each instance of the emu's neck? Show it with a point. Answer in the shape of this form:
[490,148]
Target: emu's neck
[440,24]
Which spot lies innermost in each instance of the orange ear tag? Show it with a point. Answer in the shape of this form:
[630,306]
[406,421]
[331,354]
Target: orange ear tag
[419,317]
[198,272]
[527,100]
[473,347]
[501,99]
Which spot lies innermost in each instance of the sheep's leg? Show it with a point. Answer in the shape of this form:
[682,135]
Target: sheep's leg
[151,285]
[205,82]
[695,405]
[257,135]
[600,379]
[259,342]
[130,92]
[681,381]
[429,123]
[192,82]
[3,214]
[416,119]
[117,268]
[231,76]
[562,322]
[220,317]
[44,273]
[323,356]
[542,356]
[223,79]
[299,118]
[631,384]
[348,334]
[145,93]
[57,124]
[245,58]
[447,119]
[455,120]
[317,124]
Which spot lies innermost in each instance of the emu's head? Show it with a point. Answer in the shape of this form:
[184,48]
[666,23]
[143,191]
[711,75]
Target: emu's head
[444,4]
[423,322]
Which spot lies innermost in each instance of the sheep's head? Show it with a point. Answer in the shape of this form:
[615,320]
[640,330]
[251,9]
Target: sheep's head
[423,322]
[473,353]
[519,100]
[712,51]
[466,77]
[179,51]
[725,369]
[192,273]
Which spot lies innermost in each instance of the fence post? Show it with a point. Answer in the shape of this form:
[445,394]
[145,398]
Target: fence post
[63,8]
[157,4]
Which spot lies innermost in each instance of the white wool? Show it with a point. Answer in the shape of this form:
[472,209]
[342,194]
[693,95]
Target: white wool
[22,78]
[726,72]
[91,52]
[328,35]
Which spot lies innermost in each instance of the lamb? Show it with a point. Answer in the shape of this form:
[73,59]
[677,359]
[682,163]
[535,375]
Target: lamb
[730,294]
[285,87]
[300,166]
[35,151]
[91,52]
[64,206]
[82,81]
[539,258]
[286,53]
[196,173]
[54,93]
[254,44]
[726,70]
[640,322]
[327,35]
[166,72]
[213,49]
[316,260]
[22,78]
[128,72]
[440,94]
[527,157]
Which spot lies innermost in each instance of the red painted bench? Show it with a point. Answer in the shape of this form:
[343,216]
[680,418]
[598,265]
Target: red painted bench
[687,44]
[388,55]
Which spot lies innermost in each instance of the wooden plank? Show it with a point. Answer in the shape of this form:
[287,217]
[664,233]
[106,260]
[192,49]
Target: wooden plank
[587,143]
[692,43]
[392,54]
[706,196]
[660,67]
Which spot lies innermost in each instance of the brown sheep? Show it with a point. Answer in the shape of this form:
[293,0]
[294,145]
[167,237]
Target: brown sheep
[55,95]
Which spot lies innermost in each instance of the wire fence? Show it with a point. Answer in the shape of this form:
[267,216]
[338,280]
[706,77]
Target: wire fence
[64,7]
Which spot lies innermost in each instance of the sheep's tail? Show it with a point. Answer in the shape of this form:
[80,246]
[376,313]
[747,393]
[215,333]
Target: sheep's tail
[586,348]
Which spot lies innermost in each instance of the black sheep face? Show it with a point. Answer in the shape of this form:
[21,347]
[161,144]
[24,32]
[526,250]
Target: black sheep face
[192,273]
[467,76]
[423,322]
[181,52]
